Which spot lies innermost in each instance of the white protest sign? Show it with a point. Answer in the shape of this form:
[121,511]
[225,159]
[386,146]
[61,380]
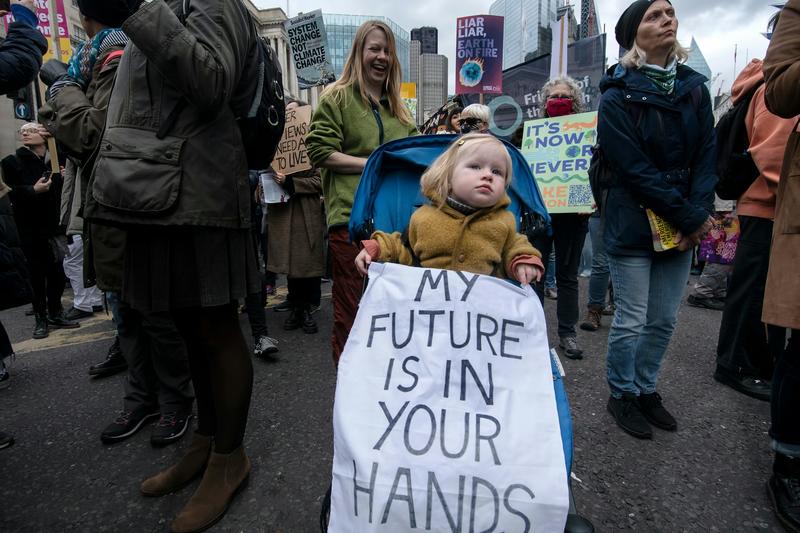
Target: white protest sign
[309,44]
[445,416]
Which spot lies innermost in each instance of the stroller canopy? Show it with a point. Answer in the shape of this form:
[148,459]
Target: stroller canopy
[389,192]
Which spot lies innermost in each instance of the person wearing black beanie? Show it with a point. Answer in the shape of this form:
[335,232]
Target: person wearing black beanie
[110,13]
[656,129]
[628,23]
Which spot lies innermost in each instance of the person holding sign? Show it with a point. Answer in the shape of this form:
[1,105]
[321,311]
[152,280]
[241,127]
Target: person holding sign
[359,112]
[563,97]
[467,227]
[296,239]
[656,128]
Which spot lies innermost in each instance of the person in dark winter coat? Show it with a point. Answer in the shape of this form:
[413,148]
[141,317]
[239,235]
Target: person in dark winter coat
[22,50]
[36,198]
[20,59]
[171,170]
[656,128]
[149,345]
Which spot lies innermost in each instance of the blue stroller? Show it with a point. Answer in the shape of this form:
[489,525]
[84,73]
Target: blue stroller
[389,193]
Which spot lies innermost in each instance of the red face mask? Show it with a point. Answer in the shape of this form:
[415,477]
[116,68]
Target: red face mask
[558,107]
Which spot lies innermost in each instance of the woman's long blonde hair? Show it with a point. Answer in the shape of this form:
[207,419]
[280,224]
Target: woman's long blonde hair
[435,182]
[353,72]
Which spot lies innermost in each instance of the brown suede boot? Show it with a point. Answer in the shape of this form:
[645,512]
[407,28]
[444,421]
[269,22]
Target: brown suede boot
[225,475]
[183,472]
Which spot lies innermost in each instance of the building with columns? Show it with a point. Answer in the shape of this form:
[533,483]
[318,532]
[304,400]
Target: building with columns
[270,25]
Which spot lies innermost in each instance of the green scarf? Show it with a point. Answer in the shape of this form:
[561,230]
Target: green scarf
[663,78]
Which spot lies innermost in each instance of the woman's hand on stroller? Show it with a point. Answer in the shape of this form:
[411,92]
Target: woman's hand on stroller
[363,260]
[527,274]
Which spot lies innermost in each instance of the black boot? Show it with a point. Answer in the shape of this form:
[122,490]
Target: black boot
[41,330]
[113,364]
[295,319]
[309,324]
[59,321]
[784,490]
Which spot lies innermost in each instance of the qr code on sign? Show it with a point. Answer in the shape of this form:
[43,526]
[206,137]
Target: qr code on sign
[580,195]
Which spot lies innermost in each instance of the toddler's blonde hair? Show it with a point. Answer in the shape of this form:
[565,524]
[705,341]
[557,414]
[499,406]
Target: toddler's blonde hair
[436,181]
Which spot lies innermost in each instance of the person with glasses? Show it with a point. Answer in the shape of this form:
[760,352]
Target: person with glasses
[563,96]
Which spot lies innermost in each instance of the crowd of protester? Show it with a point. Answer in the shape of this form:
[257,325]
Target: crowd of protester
[129,234]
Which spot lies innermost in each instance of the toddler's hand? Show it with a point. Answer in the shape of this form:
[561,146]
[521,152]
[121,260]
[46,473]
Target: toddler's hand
[363,260]
[526,274]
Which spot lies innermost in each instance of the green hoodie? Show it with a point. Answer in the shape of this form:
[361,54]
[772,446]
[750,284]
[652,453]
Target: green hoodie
[342,123]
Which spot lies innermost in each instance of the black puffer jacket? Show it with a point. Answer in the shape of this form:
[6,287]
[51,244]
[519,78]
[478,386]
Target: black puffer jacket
[20,56]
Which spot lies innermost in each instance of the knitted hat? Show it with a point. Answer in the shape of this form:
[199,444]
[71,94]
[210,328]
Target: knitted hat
[628,23]
[111,13]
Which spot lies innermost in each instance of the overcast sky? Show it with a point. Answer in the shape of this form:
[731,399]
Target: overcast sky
[717,25]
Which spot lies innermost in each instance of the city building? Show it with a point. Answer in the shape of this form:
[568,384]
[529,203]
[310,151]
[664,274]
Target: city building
[9,139]
[698,63]
[526,31]
[590,23]
[432,88]
[341,30]
[270,26]
[572,23]
[428,38]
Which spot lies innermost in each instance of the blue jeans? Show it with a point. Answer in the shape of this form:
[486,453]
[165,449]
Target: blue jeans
[647,292]
[598,282]
[550,273]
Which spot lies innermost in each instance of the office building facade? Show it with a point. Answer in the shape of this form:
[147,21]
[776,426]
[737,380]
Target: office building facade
[526,30]
[428,38]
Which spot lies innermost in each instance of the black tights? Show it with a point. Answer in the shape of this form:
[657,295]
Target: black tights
[222,373]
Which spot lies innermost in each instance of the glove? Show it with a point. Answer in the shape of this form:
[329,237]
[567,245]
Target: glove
[60,83]
[51,71]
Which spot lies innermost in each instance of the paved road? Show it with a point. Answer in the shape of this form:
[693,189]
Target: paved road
[58,477]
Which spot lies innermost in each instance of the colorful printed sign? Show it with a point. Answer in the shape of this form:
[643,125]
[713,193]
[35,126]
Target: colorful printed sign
[479,54]
[522,100]
[292,155]
[309,43]
[558,151]
[408,92]
[445,417]
[43,14]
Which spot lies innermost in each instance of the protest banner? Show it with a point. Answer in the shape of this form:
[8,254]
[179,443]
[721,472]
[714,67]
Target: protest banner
[408,92]
[521,99]
[292,155]
[309,43]
[44,26]
[445,416]
[559,151]
[479,54]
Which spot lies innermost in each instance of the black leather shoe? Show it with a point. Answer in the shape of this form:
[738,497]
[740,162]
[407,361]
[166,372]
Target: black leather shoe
[295,319]
[309,324]
[655,413]
[59,321]
[626,412]
[783,489]
[73,313]
[113,364]
[41,330]
[748,385]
